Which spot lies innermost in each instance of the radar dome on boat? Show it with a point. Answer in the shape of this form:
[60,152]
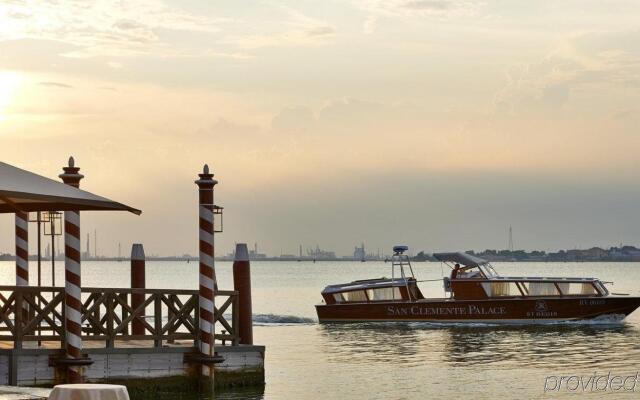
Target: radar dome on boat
[400,249]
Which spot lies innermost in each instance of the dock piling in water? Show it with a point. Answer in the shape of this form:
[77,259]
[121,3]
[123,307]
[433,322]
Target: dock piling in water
[242,284]
[137,282]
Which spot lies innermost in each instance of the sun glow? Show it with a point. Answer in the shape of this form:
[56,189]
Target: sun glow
[9,84]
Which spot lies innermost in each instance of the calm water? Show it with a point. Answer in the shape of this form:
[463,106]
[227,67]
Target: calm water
[305,360]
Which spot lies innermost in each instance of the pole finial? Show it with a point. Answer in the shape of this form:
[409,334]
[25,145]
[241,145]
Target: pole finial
[206,177]
[72,162]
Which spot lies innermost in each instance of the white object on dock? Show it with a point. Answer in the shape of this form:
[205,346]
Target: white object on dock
[89,391]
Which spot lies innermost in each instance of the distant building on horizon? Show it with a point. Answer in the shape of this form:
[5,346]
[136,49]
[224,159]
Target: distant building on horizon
[359,253]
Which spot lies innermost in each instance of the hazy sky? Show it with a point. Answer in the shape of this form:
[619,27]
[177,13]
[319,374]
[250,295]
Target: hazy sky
[435,123]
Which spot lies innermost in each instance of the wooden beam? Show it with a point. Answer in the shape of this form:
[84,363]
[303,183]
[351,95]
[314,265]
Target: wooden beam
[11,204]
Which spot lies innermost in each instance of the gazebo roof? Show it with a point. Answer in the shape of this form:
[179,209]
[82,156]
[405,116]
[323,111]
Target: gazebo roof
[22,190]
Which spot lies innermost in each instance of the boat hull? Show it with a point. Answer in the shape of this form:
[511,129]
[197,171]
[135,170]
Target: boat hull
[510,311]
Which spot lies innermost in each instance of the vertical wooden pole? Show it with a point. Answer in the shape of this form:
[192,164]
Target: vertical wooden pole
[72,285]
[208,284]
[242,285]
[22,249]
[22,257]
[137,281]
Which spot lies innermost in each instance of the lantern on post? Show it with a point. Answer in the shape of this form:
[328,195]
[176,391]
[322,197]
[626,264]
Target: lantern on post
[217,219]
[52,228]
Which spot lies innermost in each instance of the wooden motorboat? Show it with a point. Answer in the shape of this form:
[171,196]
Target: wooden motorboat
[474,293]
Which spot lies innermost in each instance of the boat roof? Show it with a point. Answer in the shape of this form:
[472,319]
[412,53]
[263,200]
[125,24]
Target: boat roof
[461,258]
[365,284]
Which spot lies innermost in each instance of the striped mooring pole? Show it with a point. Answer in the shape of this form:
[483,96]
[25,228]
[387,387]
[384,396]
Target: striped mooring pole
[208,284]
[22,255]
[72,291]
[22,249]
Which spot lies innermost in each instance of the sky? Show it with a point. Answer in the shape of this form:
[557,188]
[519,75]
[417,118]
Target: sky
[433,123]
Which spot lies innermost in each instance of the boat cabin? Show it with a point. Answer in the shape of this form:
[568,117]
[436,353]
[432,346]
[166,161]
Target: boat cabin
[373,290]
[473,278]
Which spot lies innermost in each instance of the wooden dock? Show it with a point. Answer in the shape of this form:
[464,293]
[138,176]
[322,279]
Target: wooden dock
[165,357]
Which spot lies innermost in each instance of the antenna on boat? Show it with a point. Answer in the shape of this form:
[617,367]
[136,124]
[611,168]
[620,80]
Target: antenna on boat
[399,259]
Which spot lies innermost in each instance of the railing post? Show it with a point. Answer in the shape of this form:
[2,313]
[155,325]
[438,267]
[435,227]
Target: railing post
[124,314]
[235,321]
[110,303]
[157,318]
[18,315]
[171,299]
[196,317]
[137,281]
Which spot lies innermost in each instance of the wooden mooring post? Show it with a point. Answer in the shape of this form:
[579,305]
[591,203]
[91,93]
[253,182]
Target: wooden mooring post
[137,282]
[242,284]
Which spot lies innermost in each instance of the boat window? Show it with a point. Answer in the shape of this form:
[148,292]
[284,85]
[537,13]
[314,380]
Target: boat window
[338,297]
[470,273]
[570,289]
[388,293]
[354,296]
[540,288]
[499,289]
[489,271]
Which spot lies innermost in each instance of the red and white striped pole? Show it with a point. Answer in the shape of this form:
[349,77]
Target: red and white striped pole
[72,299]
[22,256]
[208,284]
[22,249]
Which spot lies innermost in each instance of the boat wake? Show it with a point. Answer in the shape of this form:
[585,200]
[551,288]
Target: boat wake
[268,319]
[607,319]
[602,320]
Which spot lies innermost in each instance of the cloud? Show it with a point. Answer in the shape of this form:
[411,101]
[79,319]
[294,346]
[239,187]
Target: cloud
[55,84]
[369,25]
[602,61]
[321,31]
[103,27]
[291,29]
[127,24]
[430,5]
[420,8]
[294,120]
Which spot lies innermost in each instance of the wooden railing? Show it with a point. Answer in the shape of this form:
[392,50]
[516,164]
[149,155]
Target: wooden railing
[107,315]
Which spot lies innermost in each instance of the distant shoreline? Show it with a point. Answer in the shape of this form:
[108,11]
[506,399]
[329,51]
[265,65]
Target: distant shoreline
[178,259]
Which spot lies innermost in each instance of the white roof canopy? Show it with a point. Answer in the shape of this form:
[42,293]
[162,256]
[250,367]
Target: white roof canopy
[461,258]
[25,191]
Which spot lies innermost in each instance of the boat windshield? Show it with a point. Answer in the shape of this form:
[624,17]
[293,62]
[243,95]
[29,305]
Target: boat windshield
[488,271]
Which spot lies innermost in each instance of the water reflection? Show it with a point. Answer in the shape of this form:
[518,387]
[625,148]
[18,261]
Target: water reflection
[546,346]
[370,342]
[552,346]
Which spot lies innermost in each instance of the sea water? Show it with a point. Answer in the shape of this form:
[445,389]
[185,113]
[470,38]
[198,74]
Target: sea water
[307,360]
